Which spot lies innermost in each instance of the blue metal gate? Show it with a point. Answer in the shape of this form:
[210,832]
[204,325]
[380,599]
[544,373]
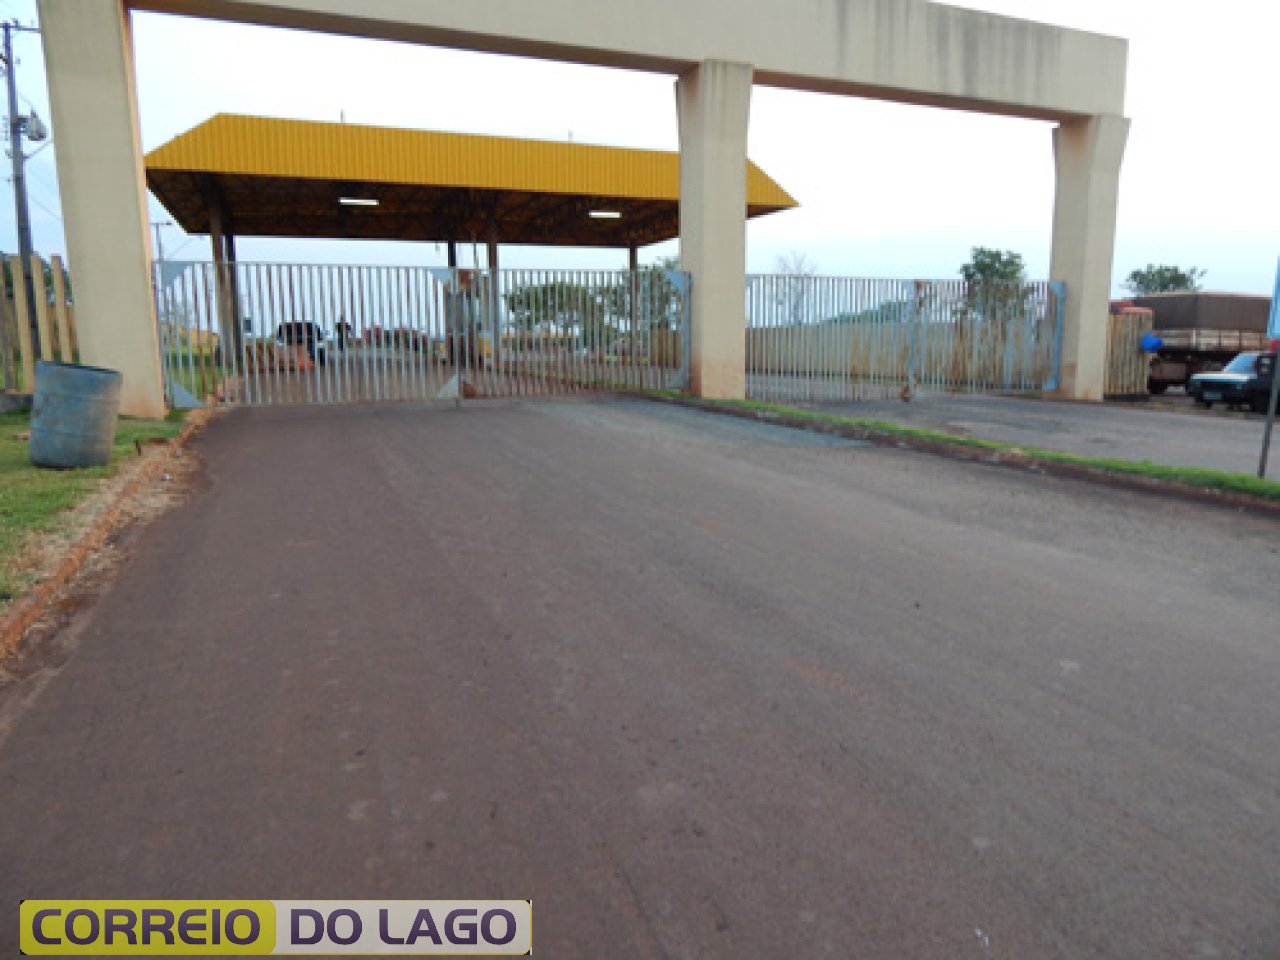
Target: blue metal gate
[265,334]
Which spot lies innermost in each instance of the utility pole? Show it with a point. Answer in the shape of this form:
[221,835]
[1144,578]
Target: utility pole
[157,226]
[17,128]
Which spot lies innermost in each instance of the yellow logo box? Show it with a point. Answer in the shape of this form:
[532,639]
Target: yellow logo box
[259,928]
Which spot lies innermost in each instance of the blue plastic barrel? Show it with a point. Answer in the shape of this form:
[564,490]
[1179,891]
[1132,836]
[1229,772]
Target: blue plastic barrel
[73,415]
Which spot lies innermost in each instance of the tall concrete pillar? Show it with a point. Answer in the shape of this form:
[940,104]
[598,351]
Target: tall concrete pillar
[714,102]
[88,50]
[1088,154]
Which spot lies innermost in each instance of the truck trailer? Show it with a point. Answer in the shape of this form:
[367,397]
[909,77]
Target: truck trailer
[1201,332]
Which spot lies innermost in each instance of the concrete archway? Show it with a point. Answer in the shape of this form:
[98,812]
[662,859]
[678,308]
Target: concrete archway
[909,51]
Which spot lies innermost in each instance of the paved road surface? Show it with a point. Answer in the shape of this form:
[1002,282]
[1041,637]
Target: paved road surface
[1169,430]
[699,687]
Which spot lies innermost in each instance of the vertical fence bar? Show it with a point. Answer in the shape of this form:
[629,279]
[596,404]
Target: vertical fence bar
[405,334]
[250,357]
[391,326]
[266,341]
[551,335]
[344,332]
[219,350]
[325,329]
[165,308]
[301,314]
[296,362]
[198,351]
[299,369]
[230,339]
[244,337]
[42,308]
[413,334]
[192,300]
[422,337]
[318,327]
[422,325]
[378,321]
[388,315]
[264,347]
[353,282]
[195,377]
[349,372]
[331,281]
[1060,293]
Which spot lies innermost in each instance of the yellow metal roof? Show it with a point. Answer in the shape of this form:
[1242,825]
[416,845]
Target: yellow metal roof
[250,163]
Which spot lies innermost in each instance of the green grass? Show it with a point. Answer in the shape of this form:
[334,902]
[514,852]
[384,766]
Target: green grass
[1200,477]
[35,501]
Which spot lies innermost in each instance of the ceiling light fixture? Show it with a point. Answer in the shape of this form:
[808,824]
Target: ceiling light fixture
[358,202]
[605,215]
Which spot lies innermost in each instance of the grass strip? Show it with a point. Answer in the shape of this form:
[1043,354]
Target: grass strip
[35,501]
[1198,477]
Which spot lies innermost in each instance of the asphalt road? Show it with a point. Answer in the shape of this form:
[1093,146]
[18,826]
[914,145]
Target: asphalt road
[698,687]
[1168,430]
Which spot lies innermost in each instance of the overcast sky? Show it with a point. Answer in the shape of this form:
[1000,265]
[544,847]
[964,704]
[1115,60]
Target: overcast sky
[885,190]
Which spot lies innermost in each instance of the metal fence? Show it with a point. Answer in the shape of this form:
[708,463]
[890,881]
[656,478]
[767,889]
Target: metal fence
[263,334]
[832,339]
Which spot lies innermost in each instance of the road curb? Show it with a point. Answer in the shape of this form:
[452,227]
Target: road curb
[1009,458]
[27,609]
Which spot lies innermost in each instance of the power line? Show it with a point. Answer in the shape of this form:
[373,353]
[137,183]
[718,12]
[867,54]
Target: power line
[27,100]
[52,213]
[38,202]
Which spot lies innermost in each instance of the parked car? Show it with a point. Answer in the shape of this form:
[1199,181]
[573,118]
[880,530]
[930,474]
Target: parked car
[308,334]
[1244,382]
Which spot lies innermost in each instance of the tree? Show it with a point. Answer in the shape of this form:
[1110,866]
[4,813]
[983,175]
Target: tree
[1163,279]
[891,311]
[996,288]
[659,301]
[987,265]
[553,307]
[796,272]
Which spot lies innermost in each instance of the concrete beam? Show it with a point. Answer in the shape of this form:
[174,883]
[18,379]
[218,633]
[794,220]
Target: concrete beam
[904,50]
[1089,154]
[88,50]
[714,101]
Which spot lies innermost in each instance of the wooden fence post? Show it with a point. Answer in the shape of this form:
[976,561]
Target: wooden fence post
[66,353]
[1127,365]
[25,348]
[42,308]
[10,346]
